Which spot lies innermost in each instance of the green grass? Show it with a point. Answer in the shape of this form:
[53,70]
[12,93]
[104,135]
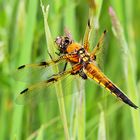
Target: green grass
[27,32]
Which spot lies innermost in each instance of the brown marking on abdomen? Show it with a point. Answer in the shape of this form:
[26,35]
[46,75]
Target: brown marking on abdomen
[94,73]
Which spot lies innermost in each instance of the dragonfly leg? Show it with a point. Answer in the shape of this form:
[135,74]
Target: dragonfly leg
[50,56]
[65,66]
[58,53]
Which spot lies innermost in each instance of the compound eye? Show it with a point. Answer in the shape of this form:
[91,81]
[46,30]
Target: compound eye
[67,41]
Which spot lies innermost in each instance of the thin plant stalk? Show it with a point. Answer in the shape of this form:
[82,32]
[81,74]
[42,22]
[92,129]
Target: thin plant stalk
[128,60]
[51,49]
[24,57]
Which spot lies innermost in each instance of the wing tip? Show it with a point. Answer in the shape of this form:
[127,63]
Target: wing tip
[21,67]
[25,90]
[43,63]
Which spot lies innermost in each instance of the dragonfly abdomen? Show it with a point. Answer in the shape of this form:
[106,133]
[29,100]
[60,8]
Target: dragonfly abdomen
[95,74]
[116,91]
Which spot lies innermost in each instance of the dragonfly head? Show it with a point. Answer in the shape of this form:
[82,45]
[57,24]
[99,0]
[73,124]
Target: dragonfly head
[63,42]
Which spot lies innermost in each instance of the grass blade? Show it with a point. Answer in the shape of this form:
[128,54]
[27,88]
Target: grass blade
[25,54]
[59,93]
[128,60]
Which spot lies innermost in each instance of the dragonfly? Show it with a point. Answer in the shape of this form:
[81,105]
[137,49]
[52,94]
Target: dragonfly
[83,63]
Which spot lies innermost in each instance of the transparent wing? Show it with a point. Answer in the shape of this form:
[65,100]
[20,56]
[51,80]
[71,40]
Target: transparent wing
[87,36]
[98,52]
[33,73]
[46,90]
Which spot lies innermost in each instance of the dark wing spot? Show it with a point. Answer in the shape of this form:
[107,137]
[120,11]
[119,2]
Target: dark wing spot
[104,31]
[21,67]
[43,64]
[25,90]
[51,80]
[89,23]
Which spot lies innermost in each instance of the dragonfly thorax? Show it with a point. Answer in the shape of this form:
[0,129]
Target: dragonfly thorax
[83,56]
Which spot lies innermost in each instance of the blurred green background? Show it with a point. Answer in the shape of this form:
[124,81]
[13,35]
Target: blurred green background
[95,114]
